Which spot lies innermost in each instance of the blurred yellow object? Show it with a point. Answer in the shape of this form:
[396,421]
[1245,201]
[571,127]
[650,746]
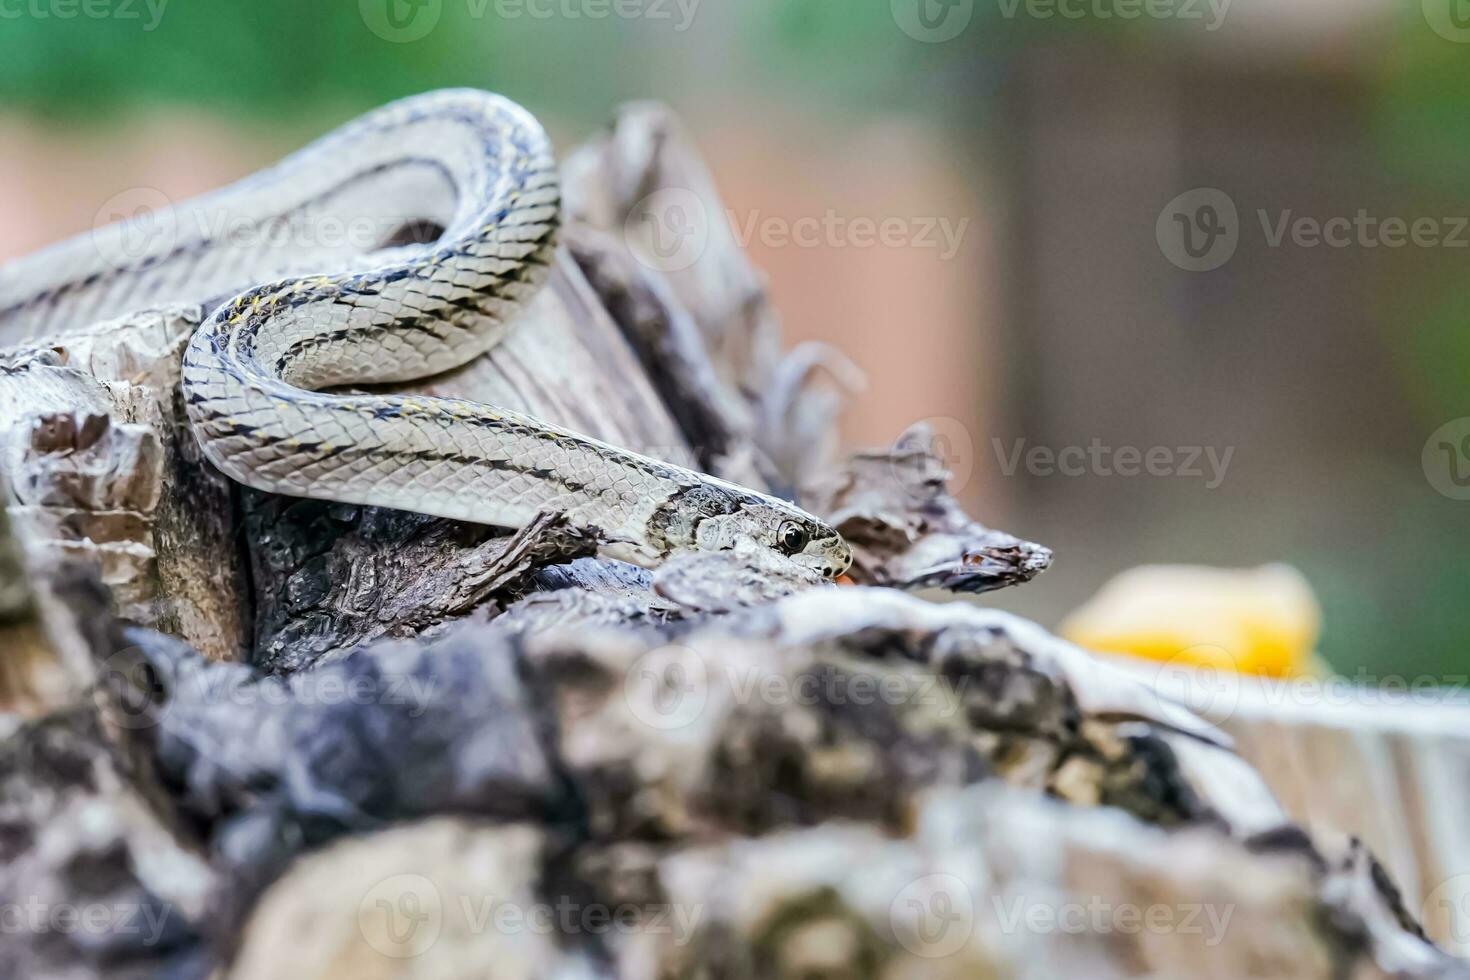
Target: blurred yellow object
[1250,621]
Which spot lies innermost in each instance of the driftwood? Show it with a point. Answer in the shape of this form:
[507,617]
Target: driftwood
[293,738]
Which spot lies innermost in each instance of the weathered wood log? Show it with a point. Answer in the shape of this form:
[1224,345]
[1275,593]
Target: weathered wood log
[100,875]
[33,679]
[103,470]
[876,843]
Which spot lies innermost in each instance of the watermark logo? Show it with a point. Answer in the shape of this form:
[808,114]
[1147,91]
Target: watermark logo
[951,444]
[137,691]
[933,916]
[400,21]
[1446,911]
[1446,459]
[669,229]
[402,916]
[667,688]
[1203,677]
[933,21]
[1450,19]
[1198,230]
[133,223]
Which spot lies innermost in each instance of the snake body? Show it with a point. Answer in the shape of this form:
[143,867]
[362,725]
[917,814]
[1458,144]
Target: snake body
[311,313]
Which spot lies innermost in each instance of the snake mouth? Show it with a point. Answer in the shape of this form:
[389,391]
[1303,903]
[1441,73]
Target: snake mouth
[837,570]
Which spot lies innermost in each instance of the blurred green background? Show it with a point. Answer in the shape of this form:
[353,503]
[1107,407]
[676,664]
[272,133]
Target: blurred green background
[1058,139]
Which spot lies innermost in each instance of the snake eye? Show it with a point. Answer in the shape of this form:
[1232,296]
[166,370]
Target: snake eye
[792,538]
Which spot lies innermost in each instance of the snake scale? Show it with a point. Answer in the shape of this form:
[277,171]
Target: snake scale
[300,314]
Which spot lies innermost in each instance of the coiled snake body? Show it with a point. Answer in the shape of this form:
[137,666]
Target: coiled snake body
[335,312]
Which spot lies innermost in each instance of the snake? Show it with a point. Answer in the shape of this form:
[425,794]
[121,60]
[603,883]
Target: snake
[400,246]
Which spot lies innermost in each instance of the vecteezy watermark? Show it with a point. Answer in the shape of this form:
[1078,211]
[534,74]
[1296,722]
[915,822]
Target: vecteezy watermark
[1098,916]
[1381,692]
[1446,459]
[1445,912]
[950,446]
[1204,677]
[1207,679]
[1207,463]
[669,687]
[403,21]
[148,12]
[1200,230]
[143,691]
[143,221]
[1363,230]
[670,230]
[101,919]
[937,21]
[1210,13]
[679,13]
[933,21]
[933,916]
[403,916]
[1450,19]
[133,223]
[941,235]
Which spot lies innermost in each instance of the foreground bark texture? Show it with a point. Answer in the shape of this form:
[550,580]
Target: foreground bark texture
[270,737]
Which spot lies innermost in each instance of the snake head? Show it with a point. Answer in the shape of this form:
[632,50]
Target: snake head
[713,515]
[780,527]
[805,540]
